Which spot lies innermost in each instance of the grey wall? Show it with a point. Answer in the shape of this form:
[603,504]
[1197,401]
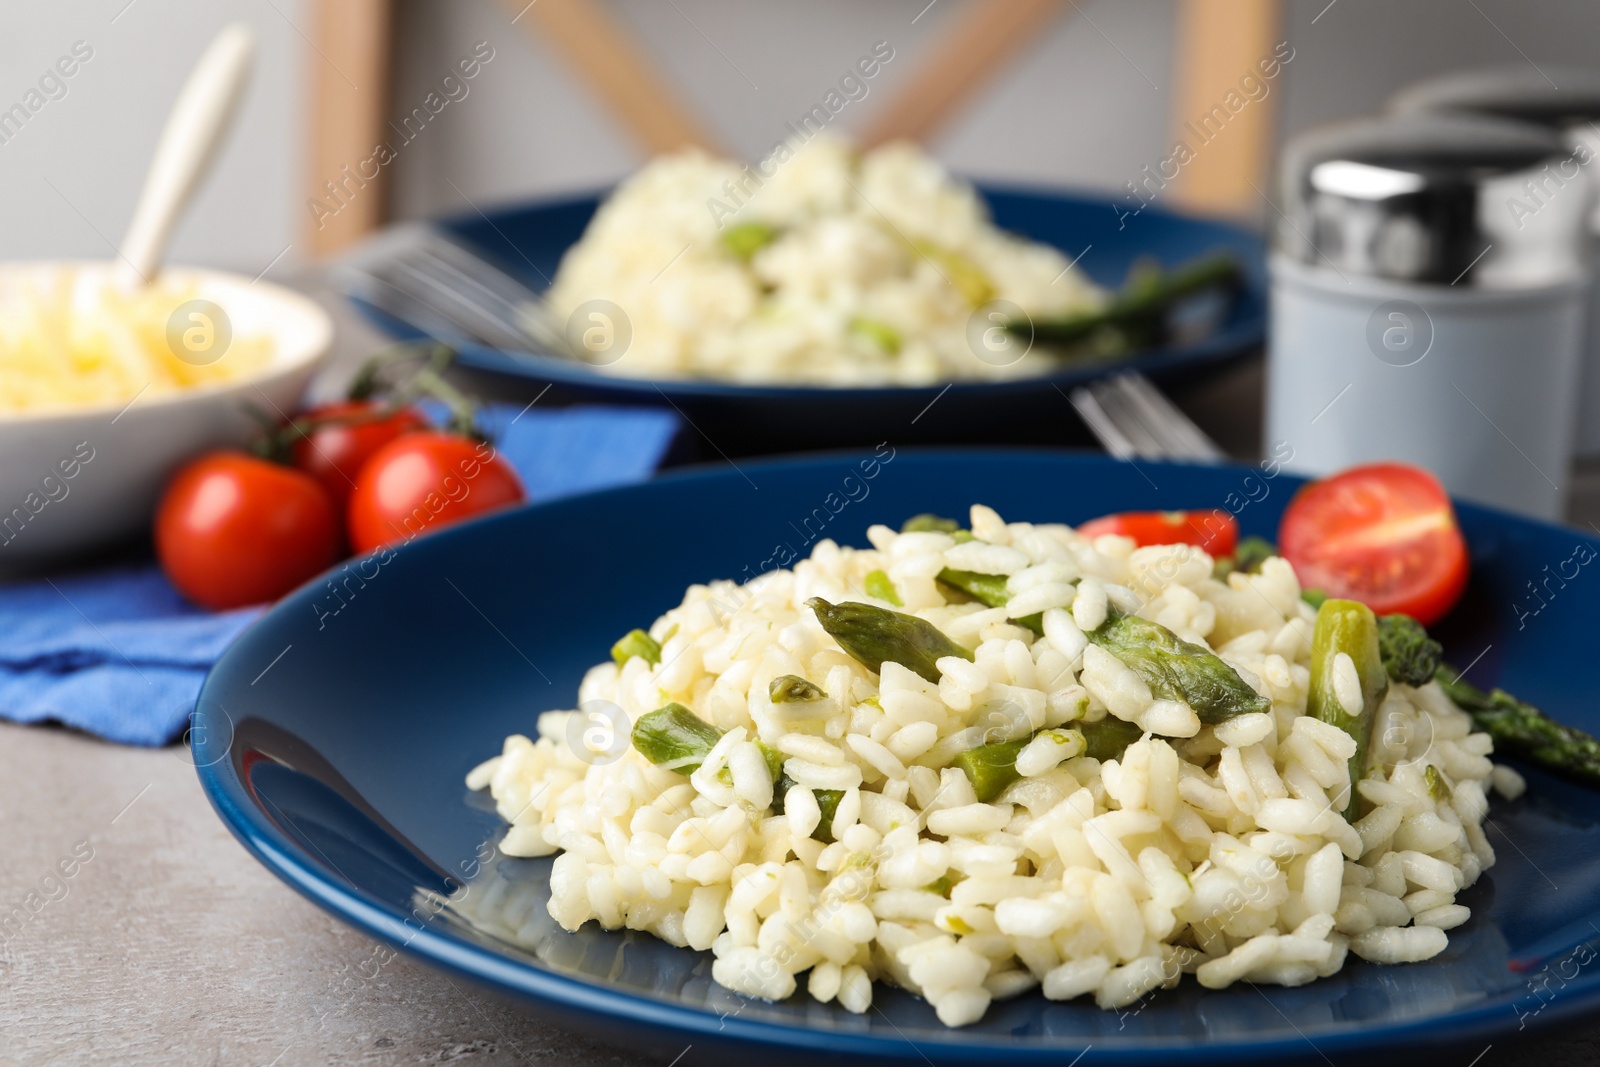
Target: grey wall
[69,179]
[1088,106]
[1074,109]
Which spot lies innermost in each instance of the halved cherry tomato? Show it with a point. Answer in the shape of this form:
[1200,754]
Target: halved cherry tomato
[235,530]
[344,436]
[1213,530]
[1383,534]
[425,480]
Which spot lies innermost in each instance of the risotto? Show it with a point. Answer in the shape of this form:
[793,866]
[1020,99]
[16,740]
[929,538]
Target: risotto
[974,762]
[817,266]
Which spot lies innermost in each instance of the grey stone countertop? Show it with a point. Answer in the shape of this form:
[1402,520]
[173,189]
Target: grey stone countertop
[172,945]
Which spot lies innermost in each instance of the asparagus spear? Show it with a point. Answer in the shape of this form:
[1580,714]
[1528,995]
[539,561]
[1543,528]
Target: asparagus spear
[793,689]
[1409,654]
[748,238]
[1107,738]
[1345,627]
[1247,558]
[880,585]
[969,279]
[874,635]
[1137,315]
[1520,729]
[992,767]
[988,589]
[880,333]
[1523,730]
[827,803]
[636,643]
[927,523]
[1176,669]
[1173,668]
[675,738]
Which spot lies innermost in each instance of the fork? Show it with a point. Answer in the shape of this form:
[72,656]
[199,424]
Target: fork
[1130,417]
[446,290]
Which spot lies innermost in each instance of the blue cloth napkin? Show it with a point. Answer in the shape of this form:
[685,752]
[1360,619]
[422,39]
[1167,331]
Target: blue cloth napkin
[118,653]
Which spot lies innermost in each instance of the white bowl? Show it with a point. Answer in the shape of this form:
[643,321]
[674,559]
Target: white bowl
[120,457]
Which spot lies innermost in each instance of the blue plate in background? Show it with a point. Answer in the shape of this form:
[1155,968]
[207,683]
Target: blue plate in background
[528,241]
[338,729]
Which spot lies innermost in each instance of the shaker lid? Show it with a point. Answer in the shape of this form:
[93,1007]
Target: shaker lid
[1437,198]
[1551,95]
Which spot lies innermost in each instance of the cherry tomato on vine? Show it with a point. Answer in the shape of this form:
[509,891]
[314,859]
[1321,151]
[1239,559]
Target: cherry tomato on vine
[422,481]
[1212,529]
[1383,534]
[344,436]
[233,530]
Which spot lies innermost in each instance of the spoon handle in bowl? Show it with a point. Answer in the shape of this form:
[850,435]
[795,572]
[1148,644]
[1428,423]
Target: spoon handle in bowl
[195,128]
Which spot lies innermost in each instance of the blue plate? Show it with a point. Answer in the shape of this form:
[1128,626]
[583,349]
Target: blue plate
[335,734]
[528,242]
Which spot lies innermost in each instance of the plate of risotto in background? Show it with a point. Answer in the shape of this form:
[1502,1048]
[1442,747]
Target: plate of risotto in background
[835,294]
[902,767]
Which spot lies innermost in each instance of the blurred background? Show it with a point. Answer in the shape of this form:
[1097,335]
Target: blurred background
[1082,93]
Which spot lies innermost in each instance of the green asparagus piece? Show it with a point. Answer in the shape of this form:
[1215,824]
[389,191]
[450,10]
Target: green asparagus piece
[1247,558]
[1137,315]
[879,585]
[774,760]
[1315,597]
[828,803]
[926,523]
[675,733]
[636,643]
[1107,738]
[1523,730]
[793,689]
[988,589]
[1176,669]
[969,279]
[1351,628]
[675,738]
[990,768]
[1409,654]
[929,523]
[874,635]
[748,238]
[880,333]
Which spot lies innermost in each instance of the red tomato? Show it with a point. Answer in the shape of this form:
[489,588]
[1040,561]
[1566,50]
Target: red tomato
[1214,530]
[1383,534]
[235,530]
[425,480]
[344,436]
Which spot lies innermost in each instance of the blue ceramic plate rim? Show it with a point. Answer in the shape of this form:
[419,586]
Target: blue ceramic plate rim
[1245,331]
[597,1002]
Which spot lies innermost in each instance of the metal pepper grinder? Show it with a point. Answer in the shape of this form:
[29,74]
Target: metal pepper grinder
[1416,316]
[1566,100]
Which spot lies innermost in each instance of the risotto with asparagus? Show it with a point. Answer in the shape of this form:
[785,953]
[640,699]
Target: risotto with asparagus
[976,760]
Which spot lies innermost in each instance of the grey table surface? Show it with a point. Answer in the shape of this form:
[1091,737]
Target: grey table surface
[170,944]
